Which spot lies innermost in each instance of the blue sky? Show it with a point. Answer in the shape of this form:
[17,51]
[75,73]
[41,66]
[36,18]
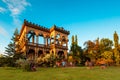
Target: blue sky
[89,19]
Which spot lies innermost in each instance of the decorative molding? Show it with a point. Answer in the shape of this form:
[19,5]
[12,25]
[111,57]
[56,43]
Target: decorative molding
[36,26]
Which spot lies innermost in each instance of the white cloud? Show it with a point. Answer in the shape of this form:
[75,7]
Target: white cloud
[16,7]
[2,10]
[3,31]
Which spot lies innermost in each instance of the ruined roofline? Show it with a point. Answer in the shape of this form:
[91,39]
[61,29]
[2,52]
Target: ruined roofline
[60,29]
[33,25]
[36,26]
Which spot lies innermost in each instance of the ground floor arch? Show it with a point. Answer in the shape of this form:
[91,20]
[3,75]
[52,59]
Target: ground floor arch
[60,54]
[40,53]
[31,54]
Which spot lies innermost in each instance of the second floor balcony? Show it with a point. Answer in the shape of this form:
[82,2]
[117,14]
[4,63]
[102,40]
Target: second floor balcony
[47,46]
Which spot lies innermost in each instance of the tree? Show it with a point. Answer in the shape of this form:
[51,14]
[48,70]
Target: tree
[76,50]
[116,48]
[116,39]
[105,45]
[108,56]
[74,46]
[73,39]
[76,40]
[10,49]
[91,49]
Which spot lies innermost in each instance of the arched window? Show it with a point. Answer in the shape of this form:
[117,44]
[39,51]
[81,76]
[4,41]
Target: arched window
[40,38]
[57,36]
[31,36]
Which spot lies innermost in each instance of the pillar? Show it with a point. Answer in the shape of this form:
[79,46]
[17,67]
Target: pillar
[37,39]
[44,41]
[33,38]
[47,42]
[50,41]
[36,53]
[54,40]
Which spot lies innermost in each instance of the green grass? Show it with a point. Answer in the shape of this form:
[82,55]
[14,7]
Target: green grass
[75,73]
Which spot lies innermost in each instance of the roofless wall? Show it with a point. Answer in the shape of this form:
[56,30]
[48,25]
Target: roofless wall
[36,40]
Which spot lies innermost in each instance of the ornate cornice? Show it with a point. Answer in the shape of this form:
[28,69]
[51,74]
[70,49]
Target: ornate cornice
[36,26]
[60,29]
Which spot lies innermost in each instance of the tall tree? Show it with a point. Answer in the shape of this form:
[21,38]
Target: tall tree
[76,40]
[74,45]
[116,48]
[116,39]
[72,39]
[76,50]
[10,49]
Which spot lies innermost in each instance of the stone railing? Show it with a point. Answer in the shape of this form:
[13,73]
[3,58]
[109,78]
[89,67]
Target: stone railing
[38,45]
[58,46]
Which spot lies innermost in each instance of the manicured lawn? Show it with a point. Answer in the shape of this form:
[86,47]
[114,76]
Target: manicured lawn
[75,73]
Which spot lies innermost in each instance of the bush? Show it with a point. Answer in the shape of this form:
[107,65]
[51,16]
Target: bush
[23,64]
[46,61]
[7,61]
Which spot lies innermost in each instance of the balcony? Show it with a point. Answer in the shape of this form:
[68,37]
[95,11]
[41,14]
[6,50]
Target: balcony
[38,45]
[58,46]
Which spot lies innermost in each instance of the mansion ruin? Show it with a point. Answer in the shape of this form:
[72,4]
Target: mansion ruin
[36,40]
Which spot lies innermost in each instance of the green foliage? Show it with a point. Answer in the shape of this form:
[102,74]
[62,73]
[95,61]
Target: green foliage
[76,40]
[73,40]
[107,55]
[7,62]
[18,56]
[92,49]
[48,60]
[117,56]
[10,61]
[105,45]
[23,64]
[116,49]
[116,39]
[10,49]
[76,50]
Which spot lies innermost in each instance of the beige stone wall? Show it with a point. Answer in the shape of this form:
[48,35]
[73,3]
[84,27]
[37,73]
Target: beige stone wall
[52,48]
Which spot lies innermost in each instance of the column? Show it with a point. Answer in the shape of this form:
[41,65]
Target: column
[44,41]
[37,39]
[36,54]
[33,39]
[50,41]
[47,42]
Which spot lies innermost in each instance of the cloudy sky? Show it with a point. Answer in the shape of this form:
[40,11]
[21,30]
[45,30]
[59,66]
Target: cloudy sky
[89,19]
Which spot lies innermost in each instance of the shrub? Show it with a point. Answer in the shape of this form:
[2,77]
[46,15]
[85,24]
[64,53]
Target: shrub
[7,61]
[46,61]
[23,64]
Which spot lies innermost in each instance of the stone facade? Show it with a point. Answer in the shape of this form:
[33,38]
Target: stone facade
[36,40]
